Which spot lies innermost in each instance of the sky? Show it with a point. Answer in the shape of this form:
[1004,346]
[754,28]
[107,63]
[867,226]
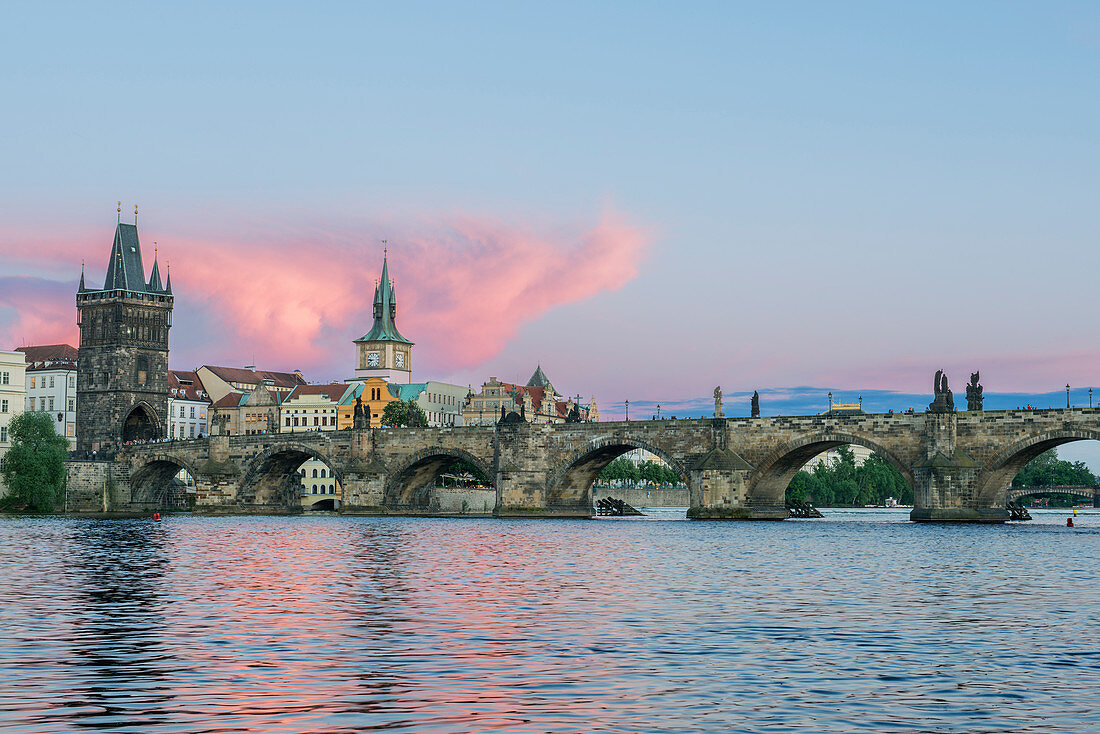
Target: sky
[648,199]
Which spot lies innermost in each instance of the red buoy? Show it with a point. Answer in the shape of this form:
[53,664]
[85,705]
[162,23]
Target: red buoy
[156,516]
[1069,522]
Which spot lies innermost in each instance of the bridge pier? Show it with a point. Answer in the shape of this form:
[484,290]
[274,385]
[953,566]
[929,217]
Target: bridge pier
[945,481]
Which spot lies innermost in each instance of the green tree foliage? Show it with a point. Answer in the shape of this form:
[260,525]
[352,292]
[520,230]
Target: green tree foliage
[404,413]
[627,471]
[843,483]
[34,467]
[460,466]
[1047,470]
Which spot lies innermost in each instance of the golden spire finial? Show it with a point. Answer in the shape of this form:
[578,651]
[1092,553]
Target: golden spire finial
[120,211]
[135,214]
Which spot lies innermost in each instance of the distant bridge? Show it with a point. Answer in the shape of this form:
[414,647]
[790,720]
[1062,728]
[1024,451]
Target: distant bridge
[960,465]
[1087,492]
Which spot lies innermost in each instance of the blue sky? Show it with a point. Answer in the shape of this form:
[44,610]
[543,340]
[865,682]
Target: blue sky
[648,199]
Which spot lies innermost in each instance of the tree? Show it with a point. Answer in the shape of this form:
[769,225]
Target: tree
[1047,470]
[404,413]
[34,467]
[843,482]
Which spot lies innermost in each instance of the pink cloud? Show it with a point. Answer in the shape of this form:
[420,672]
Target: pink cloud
[296,298]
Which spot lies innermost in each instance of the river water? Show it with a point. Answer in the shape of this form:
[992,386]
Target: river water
[859,622]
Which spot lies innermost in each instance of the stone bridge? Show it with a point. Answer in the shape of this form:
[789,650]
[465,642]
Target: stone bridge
[960,465]
[1088,492]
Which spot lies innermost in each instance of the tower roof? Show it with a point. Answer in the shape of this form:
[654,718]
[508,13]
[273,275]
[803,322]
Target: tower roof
[125,270]
[539,379]
[385,311]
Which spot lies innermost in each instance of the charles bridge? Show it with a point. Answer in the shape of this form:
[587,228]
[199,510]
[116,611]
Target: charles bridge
[960,464]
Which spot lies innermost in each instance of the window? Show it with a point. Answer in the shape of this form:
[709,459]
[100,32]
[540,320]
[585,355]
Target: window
[192,411]
[314,473]
[69,430]
[191,433]
[314,420]
[288,420]
[142,369]
[314,489]
[6,380]
[51,403]
[51,381]
[3,406]
[72,405]
[4,431]
[295,421]
[322,475]
[72,381]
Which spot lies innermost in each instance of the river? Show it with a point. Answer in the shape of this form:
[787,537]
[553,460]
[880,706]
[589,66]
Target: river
[858,622]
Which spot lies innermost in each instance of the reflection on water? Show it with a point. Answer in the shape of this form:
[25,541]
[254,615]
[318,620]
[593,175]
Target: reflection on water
[859,622]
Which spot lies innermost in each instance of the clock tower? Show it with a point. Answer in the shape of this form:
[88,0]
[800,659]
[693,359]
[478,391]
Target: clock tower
[382,351]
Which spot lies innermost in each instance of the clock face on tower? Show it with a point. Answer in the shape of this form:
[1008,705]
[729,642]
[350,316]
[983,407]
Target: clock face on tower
[399,358]
[372,359]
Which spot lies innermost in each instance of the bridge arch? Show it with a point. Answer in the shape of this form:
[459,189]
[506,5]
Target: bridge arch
[272,480]
[409,486]
[151,480]
[569,487]
[768,484]
[996,480]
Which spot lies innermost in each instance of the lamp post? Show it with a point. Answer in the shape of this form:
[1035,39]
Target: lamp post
[1067,394]
[658,411]
[1090,397]
[628,410]
[830,400]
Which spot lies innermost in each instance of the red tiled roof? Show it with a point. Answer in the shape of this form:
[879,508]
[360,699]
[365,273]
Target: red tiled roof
[256,377]
[232,400]
[49,355]
[177,388]
[334,391]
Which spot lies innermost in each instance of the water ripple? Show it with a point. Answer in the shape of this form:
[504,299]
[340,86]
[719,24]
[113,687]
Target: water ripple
[859,623]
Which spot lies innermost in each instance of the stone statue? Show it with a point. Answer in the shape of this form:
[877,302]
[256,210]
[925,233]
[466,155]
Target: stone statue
[272,423]
[359,418]
[755,404]
[974,393]
[221,420]
[718,403]
[944,401]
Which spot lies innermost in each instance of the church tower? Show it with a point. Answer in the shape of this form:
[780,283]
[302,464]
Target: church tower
[382,351]
[122,363]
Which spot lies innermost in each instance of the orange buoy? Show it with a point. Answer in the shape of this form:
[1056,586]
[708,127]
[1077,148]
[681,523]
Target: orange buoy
[1069,522]
[156,516]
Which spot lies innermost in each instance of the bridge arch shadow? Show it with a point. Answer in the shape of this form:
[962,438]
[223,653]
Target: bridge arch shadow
[768,484]
[155,484]
[996,480]
[273,481]
[141,423]
[569,488]
[410,487]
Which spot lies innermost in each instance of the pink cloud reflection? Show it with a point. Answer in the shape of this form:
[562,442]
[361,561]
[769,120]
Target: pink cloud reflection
[465,286]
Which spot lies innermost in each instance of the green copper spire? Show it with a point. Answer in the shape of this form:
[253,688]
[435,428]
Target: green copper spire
[385,311]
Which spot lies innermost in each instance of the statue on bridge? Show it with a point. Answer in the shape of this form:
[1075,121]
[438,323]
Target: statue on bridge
[755,404]
[220,421]
[718,403]
[944,401]
[973,393]
[360,419]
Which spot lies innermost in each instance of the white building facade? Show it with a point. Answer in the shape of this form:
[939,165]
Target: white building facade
[51,386]
[188,406]
[13,394]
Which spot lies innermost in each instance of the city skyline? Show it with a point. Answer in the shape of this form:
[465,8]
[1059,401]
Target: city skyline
[757,206]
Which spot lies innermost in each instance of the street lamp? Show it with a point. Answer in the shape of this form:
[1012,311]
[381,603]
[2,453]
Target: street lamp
[1067,394]
[658,411]
[1090,397]
[628,410]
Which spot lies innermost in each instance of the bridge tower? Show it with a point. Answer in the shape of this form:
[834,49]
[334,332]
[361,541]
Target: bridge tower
[382,351]
[122,362]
